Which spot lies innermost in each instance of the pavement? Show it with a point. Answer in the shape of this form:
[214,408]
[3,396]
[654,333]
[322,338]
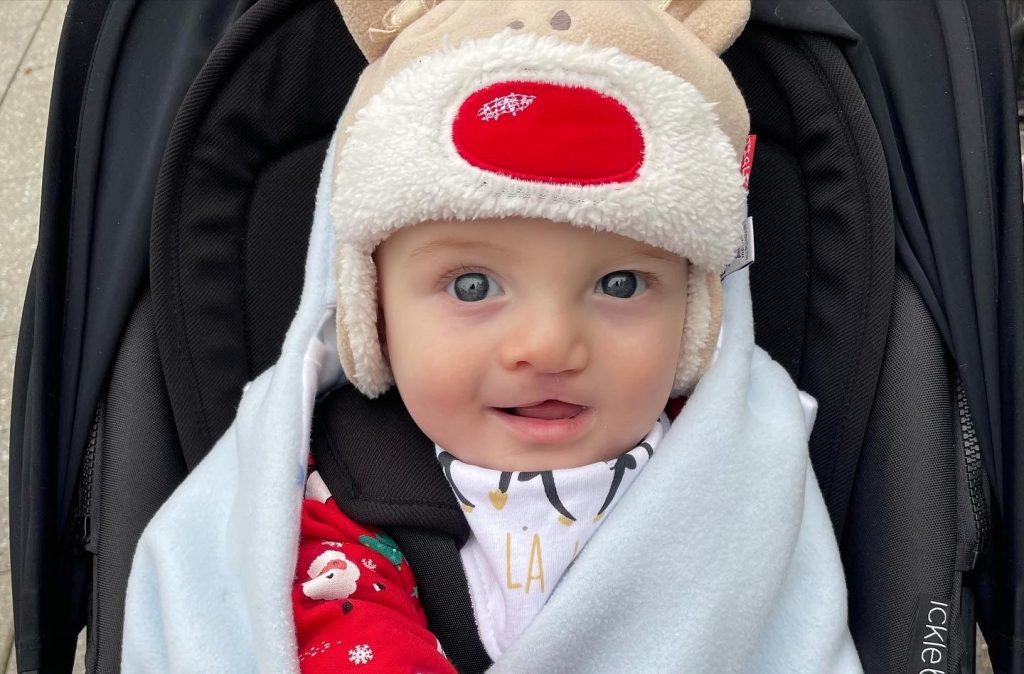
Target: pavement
[29,34]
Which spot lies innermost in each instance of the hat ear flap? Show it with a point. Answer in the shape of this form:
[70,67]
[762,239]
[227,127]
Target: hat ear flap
[717,23]
[700,332]
[359,345]
[375,24]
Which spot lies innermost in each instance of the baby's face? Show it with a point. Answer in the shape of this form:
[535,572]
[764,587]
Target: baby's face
[522,344]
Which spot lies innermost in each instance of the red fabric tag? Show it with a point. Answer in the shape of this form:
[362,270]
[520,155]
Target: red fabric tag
[674,407]
[550,133]
[748,160]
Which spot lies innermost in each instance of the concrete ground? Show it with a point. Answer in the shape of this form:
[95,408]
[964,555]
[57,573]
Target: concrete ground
[29,33]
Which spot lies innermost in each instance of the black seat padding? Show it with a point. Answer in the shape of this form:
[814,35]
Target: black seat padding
[235,201]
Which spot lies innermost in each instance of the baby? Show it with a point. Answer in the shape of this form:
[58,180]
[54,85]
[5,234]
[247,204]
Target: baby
[539,356]
[533,310]
[532,205]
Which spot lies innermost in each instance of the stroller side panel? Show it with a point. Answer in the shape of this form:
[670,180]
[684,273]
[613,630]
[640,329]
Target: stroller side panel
[104,145]
[900,543]
[234,205]
[240,234]
[953,149]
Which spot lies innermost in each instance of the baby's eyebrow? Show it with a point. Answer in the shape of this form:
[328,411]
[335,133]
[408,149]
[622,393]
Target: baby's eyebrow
[654,253]
[659,254]
[465,244]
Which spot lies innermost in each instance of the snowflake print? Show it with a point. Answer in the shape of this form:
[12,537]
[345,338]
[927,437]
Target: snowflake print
[360,654]
[509,104]
[333,544]
[370,564]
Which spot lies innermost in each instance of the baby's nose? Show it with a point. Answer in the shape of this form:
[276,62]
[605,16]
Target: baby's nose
[549,344]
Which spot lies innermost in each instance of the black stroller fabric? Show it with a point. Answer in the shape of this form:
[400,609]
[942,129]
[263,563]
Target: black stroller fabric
[952,146]
[122,70]
[888,282]
[230,228]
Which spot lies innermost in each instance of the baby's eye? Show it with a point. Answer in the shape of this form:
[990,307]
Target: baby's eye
[473,287]
[621,284]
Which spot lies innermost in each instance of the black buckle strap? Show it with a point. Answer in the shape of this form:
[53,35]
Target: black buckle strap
[382,471]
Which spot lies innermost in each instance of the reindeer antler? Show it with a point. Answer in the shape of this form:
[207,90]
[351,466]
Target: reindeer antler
[716,22]
[374,24]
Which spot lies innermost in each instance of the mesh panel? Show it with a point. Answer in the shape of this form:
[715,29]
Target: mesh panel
[141,464]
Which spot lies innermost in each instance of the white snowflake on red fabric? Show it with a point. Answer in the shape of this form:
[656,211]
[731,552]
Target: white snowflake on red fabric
[360,654]
[370,564]
[509,104]
[332,544]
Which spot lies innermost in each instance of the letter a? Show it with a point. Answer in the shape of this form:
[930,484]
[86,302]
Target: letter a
[535,554]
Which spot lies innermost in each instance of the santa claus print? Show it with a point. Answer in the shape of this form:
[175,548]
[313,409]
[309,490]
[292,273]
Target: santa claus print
[331,576]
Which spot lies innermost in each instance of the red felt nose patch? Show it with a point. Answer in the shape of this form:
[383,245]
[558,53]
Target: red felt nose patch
[549,133]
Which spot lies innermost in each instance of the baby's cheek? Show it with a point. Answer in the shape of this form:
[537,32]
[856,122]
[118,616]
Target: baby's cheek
[648,383]
[437,377]
[651,353]
[440,406]
[644,377]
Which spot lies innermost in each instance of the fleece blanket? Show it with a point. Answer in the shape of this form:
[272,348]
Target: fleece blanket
[719,558]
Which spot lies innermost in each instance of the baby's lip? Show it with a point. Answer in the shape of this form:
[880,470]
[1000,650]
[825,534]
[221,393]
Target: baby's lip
[548,409]
[547,422]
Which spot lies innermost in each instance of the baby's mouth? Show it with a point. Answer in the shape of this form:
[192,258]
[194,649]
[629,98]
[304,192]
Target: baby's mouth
[547,422]
[548,410]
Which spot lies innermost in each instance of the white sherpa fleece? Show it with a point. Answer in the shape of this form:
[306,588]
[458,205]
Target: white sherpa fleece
[398,166]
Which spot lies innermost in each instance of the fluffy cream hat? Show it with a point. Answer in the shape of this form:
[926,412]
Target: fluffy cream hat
[615,115]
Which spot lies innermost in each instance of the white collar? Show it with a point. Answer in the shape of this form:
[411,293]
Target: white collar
[528,527]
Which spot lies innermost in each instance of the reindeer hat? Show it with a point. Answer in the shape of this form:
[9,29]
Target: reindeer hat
[614,115]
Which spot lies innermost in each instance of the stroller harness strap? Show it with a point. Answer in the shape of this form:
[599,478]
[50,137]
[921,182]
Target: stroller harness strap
[381,471]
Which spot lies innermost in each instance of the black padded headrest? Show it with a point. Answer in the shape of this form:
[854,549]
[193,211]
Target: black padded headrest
[824,234]
[235,201]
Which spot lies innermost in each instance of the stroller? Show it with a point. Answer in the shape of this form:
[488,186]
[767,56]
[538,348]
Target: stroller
[178,186]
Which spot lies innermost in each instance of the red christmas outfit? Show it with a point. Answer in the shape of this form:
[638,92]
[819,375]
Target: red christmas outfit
[355,600]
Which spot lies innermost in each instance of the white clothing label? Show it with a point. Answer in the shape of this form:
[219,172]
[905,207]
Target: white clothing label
[745,253]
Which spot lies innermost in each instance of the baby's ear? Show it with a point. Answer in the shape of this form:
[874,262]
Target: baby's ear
[716,22]
[382,335]
[376,23]
[382,328]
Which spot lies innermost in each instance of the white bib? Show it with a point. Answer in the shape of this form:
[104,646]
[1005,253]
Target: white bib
[528,527]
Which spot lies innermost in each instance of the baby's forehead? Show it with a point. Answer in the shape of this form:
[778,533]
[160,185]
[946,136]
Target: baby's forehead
[518,237]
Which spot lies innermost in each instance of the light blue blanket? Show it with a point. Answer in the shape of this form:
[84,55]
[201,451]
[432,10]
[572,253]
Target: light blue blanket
[720,558]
